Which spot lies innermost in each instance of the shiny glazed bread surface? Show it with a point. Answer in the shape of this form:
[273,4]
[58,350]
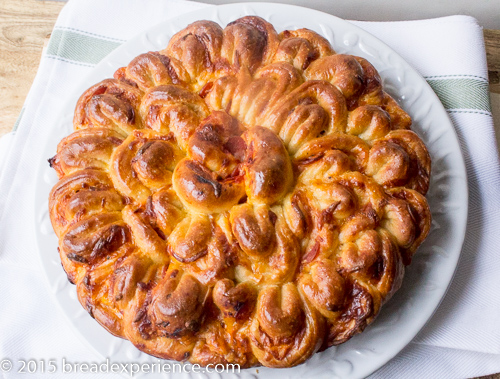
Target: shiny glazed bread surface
[241,197]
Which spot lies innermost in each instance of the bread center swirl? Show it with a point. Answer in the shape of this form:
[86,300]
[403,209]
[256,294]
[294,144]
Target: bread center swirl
[240,197]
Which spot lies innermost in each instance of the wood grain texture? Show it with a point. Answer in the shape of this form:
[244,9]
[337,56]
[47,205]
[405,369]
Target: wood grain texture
[492,42]
[25,26]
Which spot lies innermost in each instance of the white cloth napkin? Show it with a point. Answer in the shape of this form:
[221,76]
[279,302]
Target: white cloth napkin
[463,337]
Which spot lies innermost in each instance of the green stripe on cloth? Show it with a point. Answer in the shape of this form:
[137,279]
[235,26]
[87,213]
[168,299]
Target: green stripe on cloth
[79,47]
[462,93]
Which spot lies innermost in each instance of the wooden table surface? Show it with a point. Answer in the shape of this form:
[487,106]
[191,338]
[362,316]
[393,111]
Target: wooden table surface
[25,26]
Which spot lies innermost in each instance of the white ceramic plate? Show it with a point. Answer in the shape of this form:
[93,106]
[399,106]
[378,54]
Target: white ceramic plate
[427,278]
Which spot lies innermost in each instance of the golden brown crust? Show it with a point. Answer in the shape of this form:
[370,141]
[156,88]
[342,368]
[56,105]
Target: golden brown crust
[240,197]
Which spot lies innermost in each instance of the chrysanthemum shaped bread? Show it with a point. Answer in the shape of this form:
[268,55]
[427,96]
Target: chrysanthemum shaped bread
[241,197]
